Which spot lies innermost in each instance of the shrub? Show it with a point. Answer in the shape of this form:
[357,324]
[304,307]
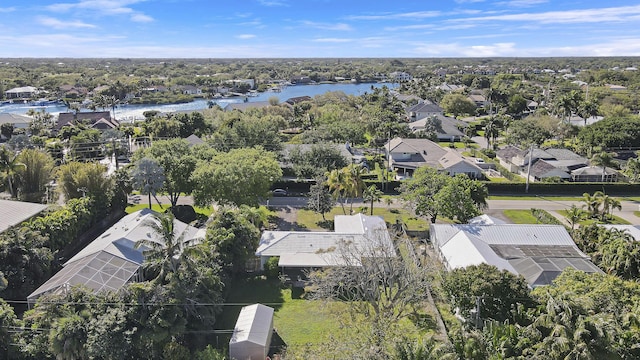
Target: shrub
[271,269]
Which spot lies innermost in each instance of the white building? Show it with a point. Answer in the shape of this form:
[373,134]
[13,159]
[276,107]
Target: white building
[252,334]
[537,252]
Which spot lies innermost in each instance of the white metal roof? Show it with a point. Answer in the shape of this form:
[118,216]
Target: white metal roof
[633,230]
[255,324]
[465,250]
[359,231]
[505,234]
[537,252]
[14,212]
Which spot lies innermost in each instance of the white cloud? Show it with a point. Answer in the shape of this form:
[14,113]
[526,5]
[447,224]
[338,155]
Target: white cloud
[245,36]
[103,7]
[523,3]
[333,40]
[612,14]
[59,24]
[142,18]
[328,26]
[397,16]
[409,27]
[273,3]
[7,9]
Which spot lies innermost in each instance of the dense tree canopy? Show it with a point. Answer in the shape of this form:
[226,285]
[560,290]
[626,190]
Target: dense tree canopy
[241,176]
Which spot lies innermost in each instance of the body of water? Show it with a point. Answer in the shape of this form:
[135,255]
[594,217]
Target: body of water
[133,112]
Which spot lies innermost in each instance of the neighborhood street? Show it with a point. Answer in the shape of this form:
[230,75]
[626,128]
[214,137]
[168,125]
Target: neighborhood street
[494,206]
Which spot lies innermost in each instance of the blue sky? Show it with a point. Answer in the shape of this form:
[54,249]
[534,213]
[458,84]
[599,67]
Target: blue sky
[318,28]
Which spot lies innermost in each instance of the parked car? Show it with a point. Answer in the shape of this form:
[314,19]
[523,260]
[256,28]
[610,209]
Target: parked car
[279,192]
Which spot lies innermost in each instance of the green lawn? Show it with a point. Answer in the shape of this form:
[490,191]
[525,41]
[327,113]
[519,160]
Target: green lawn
[299,322]
[520,216]
[614,220]
[155,207]
[529,197]
[636,213]
[311,220]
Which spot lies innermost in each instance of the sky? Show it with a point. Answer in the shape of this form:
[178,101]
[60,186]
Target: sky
[318,28]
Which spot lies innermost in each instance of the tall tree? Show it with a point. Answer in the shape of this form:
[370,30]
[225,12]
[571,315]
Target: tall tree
[457,104]
[320,199]
[165,254]
[178,164]
[9,164]
[148,177]
[604,160]
[419,191]
[241,176]
[234,237]
[35,176]
[372,194]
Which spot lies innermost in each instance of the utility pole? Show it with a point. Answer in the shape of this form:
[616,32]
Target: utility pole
[526,189]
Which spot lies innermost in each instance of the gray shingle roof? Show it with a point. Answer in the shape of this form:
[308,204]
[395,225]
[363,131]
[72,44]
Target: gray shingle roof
[14,212]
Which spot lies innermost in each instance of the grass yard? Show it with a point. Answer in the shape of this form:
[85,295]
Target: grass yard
[520,216]
[529,197]
[312,220]
[613,220]
[301,324]
[155,207]
[636,213]
[297,321]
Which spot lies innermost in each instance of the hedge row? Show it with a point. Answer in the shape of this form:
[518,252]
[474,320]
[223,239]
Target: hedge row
[536,188]
[576,189]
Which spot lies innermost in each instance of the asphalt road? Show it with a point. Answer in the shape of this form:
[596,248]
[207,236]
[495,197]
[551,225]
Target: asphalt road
[549,204]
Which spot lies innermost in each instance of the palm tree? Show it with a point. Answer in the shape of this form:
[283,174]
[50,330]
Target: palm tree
[632,168]
[167,251]
[355,185]
[605,160]
[591,203]
[148,177]
[9,164]
[372,194]
[337,183]
[574,216]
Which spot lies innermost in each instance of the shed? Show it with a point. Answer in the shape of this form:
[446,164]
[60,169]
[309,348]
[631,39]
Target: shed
[252,334]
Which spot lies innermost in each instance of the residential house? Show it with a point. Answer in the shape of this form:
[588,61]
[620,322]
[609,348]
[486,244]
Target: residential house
[22,92]
[298,251]
[447,129]
[537,252]
[300,79]
[400,76]
[18,121]
[407,155]
[422,110]
[13,213]
[100,120]
[72,91]
[296,100]
[112,259]
[246,105]
[194,140]
[594,174]
[190,90]
[478,99]
[545,163]
[450,87]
